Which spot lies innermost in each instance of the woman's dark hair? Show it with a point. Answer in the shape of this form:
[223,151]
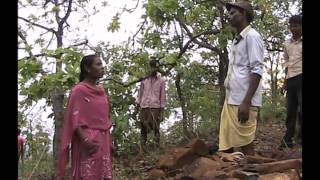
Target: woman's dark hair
[19,131]
[295,19]
[86,62]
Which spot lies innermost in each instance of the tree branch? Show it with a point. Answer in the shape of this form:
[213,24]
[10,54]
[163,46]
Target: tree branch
[125,84]
[50,41]
[85,42]
[56,3]
[38,25]
[39,55]
[44,33]
[132,9]
[25,42]
[194,38]
[180,38]
[53,55]
[143,23]
[184,48]
[64,19]
[46,3]
[62,2]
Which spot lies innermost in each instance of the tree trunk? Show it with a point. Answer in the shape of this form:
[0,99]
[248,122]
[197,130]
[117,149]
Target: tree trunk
[223,66]
[58,110]
[276,75]
[273,93]
[57,99]
[183,105]
[223,69]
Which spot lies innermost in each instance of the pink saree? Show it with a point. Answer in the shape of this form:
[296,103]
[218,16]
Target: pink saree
[88,108]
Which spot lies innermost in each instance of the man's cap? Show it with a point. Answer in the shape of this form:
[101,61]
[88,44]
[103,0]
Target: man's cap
[242,4]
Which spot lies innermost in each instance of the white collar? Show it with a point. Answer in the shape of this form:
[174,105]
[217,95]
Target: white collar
[245,31]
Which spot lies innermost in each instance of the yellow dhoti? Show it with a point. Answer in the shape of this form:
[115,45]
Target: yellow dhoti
[232,132]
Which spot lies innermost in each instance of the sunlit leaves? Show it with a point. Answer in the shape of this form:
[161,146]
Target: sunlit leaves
[152,40]
[115,23]
[161,11]
[40,41]
[29,68]
[41,86]
[55,9]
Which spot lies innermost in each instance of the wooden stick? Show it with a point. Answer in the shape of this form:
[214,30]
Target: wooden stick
[259,160]
[244,175]
[278,166]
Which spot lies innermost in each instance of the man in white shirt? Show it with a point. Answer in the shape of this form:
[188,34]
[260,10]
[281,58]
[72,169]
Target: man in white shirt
[293,80]
[243,88]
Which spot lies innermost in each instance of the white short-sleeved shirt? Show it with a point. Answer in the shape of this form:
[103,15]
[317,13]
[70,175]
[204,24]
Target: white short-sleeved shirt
[246,57]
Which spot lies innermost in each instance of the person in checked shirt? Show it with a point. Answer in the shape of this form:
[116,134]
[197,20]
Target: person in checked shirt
[151,101]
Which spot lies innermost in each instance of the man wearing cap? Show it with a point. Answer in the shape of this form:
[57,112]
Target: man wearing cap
[151,101]
[293,80]
[243,89]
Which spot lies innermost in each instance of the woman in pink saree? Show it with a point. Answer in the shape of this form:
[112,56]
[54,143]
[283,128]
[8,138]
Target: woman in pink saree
[86,127]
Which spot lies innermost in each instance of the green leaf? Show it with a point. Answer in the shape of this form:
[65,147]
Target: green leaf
[170,59]
[115,24]
[55,9]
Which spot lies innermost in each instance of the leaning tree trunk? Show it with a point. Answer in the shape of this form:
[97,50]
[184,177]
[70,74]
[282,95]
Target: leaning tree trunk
[223,65]
[183,105]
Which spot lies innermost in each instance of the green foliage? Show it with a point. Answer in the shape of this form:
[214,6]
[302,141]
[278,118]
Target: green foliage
[29,68]
[161,11]
[273,108]
[201,97]
[43,171]
[224,36]
[162,33]
[115,23]
[152,40]
[22,122]
[55,9]
[41,86]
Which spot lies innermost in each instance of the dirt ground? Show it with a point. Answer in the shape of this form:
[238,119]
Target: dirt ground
[137,166]
[267,142]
